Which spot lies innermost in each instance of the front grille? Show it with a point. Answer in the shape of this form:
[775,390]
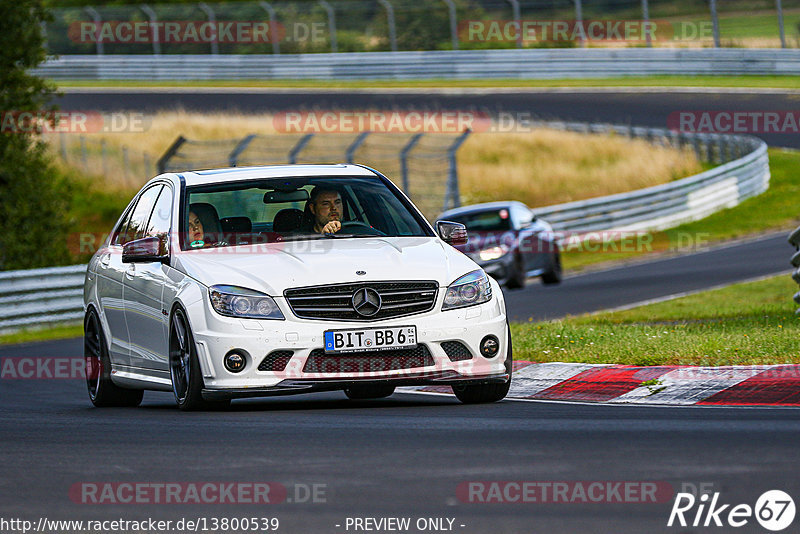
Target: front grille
[366,362]
[456,351]
[335,301]
[276,360]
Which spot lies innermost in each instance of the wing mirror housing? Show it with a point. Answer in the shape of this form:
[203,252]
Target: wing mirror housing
[452,233]
[145,250]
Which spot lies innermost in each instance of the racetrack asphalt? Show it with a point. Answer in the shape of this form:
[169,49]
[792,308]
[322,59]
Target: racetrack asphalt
[644,107]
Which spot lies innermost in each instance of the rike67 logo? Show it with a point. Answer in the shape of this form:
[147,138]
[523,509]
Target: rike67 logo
[774,510]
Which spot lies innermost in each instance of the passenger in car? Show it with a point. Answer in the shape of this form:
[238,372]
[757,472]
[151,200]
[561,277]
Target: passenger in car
[196,233]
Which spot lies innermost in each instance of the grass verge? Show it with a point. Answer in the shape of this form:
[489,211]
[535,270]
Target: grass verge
[768,82]
[65,331]
[743,324]
[772,210]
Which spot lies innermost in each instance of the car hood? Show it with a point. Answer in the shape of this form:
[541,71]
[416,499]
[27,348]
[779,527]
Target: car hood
[274,267]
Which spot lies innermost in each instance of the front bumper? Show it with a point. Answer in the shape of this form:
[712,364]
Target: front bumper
[216,335]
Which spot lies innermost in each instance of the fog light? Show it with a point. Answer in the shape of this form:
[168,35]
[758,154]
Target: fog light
[234,361]
[489,347]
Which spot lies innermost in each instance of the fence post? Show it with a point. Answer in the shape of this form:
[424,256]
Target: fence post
[301,144]
[205,8]
[126,162]
[63,144]
[103,156]
[404,160]
[92,12]
[646,19]
[151,15]
[331,24]
[390,21]
[146,162]
[273,27]
[451,9]
[518,19]
[84,157]
[43,29]
[163,161]
[714,21]
[453,194]
[351,150]
[240,147]
[579,22]
[779,7]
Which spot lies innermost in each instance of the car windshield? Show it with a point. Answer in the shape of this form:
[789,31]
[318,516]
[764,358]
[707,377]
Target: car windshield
[484,221]
[291,209]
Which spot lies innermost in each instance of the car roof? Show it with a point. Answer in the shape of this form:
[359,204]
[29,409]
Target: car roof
[486,206]
[232,174]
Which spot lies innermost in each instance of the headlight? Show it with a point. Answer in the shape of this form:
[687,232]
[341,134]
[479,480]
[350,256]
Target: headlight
[493,253]
[234,301]
[469,290]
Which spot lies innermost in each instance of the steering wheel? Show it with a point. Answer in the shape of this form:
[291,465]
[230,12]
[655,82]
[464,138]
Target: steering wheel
[360,228]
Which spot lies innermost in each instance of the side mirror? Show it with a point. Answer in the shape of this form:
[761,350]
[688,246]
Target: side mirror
[145,250]
[452,233]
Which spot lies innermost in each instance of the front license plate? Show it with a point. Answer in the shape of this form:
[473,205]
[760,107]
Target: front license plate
[343,341]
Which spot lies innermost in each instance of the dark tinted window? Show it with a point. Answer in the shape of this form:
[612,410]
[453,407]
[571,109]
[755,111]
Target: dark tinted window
[137,226]
[484,221]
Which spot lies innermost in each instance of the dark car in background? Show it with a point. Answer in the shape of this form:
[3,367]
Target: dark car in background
[509,242]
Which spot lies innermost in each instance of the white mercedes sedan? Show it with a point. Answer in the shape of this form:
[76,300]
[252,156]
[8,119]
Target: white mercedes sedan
[257,281]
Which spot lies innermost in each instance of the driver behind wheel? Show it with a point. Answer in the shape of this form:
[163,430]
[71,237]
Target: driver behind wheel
[325,206]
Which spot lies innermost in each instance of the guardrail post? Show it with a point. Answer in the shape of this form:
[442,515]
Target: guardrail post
[98,41]
[453,195]
[163,161]
[151,15]
[301,144]
[404,159]
[714,21]
[273,27]
[391,23]
[779,8]
[212,18]
[451,10]
[240,147]
[518,19]
[351,150]
[331,24]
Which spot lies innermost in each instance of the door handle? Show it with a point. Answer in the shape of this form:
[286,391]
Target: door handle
[130,272]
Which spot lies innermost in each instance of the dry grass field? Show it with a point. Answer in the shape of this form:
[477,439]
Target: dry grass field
[539,167]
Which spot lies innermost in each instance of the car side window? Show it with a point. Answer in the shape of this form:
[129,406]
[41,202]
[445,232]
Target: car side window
[119,231]
[159,223]
[140,216]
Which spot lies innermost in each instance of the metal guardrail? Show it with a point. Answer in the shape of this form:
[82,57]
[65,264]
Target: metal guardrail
[37,297]
[794,240]
[744,173]
[44,296]
[452,64]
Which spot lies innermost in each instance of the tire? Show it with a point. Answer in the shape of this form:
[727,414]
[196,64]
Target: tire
[184,369]
[102,391]
[369,391]
[553,276]
[517,277]
[486,393]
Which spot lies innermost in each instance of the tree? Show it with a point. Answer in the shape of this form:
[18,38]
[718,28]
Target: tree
[33,196]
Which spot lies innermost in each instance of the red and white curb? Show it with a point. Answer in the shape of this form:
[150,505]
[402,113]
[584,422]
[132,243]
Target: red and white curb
[751,385]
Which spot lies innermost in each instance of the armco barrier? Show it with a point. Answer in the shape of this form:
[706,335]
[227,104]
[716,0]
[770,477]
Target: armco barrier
[794,240]
[43,296]
[452,64]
